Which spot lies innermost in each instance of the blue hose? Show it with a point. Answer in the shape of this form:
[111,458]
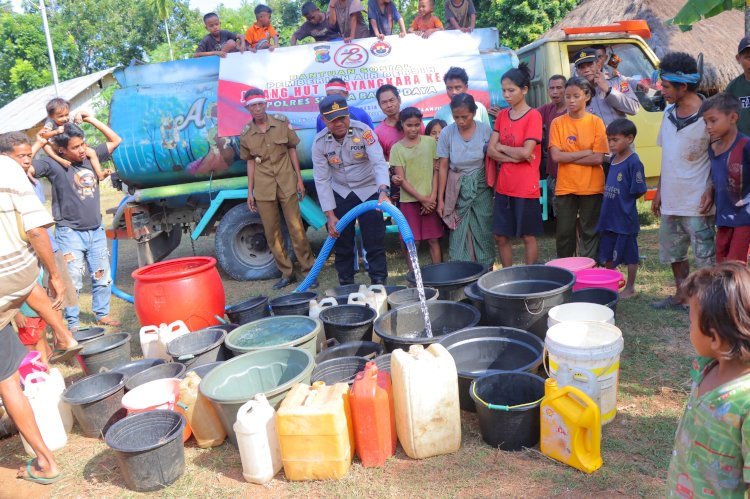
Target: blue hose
[115,251]
[352,214]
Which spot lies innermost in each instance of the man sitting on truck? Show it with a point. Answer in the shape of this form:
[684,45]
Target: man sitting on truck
[337,86]
[457,82]
[614,98]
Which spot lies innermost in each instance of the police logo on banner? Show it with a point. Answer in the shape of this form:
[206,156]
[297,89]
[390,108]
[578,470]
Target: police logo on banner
[322,53]
[380,48]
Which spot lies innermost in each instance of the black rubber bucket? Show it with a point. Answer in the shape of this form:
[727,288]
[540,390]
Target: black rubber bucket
[345,290]
[341,370]
[201,371]
[508,408]
[449,278]
[148,448]
[293,303]
[475,298]
[367,349]
[88,333]
[383,362]
[405,326]
[132,368]
[346,323]
[95,402]
[170,370]
[199,347]
[521,296]
[600,296]
[480,350]
[411,295]
[249,310]
[105,353]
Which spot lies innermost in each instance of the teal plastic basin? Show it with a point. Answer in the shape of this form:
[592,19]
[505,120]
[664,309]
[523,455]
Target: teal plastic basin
[272,332]
[272,372]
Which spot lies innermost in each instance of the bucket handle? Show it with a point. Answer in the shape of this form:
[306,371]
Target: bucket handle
[503,407]
[188,356]
[221,320]
[526,304]
[621,284]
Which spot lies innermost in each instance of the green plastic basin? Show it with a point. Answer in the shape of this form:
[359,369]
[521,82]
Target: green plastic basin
[272,372]
[272,332]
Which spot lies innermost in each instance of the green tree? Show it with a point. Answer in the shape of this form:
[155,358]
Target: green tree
[695,10]
[162,9]
[521,22]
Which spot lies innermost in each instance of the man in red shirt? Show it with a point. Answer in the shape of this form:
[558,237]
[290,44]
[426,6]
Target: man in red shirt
[550,111]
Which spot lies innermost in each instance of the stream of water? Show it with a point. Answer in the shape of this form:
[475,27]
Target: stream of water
[412,248]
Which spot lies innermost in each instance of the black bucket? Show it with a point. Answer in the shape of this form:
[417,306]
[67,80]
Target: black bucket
[600,296]
[521,296]
[199,347]
[105,353]
[132,368]
[480,350]
[293,303]
[367,349]
[511,420]
[95,402]
[475,298]
[170,370]
[148,448]
[347,289]
[383,362]
[346,323]
[201,371]
[88,333]
[404,326]
[341,370]
[249,310]
[449,278]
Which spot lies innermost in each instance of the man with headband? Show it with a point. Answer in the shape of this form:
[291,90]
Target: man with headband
[269,145]
[349,169]
[684,195]
[337,86]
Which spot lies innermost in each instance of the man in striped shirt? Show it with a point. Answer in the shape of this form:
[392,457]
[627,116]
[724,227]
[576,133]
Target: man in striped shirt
[23,244]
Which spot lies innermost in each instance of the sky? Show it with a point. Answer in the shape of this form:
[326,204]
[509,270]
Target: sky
[202,5]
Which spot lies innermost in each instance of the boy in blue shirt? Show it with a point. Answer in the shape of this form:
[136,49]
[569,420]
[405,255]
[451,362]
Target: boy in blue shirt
[729,153]
[618,222]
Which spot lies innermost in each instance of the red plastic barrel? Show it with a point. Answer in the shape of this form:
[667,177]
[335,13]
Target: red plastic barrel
[187,289]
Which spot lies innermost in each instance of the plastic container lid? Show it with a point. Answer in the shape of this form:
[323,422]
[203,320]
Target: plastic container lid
[585,340]
[283,330]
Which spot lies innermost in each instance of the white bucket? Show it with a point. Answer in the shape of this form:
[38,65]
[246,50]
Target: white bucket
[580,312]
[595,346]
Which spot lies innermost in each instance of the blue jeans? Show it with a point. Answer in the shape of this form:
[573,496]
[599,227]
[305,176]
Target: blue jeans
[86,250]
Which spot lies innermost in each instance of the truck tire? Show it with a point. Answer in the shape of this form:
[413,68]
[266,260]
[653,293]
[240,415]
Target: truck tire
[241,247]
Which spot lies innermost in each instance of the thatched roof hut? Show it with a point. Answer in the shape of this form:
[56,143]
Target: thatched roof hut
[716,37]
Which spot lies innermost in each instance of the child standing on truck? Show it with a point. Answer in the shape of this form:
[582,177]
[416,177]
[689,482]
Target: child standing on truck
[578,143]
[730,171]
[218,41]
[382,14]
[414,160]
[58,114]
[426,22]
[618,223]
[711,446]
[261,34]
[460,15]
[740,86]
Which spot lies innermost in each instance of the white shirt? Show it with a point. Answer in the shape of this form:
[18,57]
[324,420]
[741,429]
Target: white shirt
[685,167]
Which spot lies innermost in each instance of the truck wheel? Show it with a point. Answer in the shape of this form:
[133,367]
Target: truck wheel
[241,247]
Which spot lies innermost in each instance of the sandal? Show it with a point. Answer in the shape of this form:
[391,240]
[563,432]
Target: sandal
[668,303]
[63,354]
[31,477]
[108,321]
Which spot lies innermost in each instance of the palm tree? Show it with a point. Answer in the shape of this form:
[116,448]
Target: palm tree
[163,9]
[695,10]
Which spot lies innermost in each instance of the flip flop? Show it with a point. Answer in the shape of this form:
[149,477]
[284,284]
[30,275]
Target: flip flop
[107,321]
[63,354]
[31,477]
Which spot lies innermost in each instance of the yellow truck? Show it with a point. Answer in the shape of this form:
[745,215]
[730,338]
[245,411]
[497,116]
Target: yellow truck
[637,62]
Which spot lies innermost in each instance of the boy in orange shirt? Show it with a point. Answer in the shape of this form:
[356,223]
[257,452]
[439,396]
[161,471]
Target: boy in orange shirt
[261,35]
[426,22]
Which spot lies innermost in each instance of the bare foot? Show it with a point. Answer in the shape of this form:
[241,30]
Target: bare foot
[627,293]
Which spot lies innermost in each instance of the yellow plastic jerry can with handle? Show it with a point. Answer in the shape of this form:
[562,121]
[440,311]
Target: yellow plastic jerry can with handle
[571,429]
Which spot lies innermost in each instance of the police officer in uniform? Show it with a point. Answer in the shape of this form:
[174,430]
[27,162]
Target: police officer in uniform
[614,98]
[349,169]
[269,145]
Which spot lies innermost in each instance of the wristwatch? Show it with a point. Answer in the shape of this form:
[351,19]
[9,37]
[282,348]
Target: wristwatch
[387,190]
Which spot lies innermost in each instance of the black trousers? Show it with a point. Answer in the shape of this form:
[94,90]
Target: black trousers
[372,227]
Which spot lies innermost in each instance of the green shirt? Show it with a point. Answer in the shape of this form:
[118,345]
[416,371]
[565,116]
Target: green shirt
[418,164]
[712,443]
[740,88]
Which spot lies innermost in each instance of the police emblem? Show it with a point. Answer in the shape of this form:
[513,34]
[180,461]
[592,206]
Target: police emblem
[368,137]
[624,86]
[380,48]
[334,160]
[322,53]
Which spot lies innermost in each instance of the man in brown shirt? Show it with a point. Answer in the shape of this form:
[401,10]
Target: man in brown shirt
[269,145]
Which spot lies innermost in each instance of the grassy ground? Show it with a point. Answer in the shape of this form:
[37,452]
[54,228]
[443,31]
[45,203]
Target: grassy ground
[635,446]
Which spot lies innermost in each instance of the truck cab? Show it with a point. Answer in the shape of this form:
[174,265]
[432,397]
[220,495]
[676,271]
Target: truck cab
[637,62]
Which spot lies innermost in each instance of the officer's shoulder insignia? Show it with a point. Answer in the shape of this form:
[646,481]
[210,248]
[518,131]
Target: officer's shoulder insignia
[369,137]
[280,117]
[246,128]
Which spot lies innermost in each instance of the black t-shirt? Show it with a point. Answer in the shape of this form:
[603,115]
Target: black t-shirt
[209,43]
[75,191]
